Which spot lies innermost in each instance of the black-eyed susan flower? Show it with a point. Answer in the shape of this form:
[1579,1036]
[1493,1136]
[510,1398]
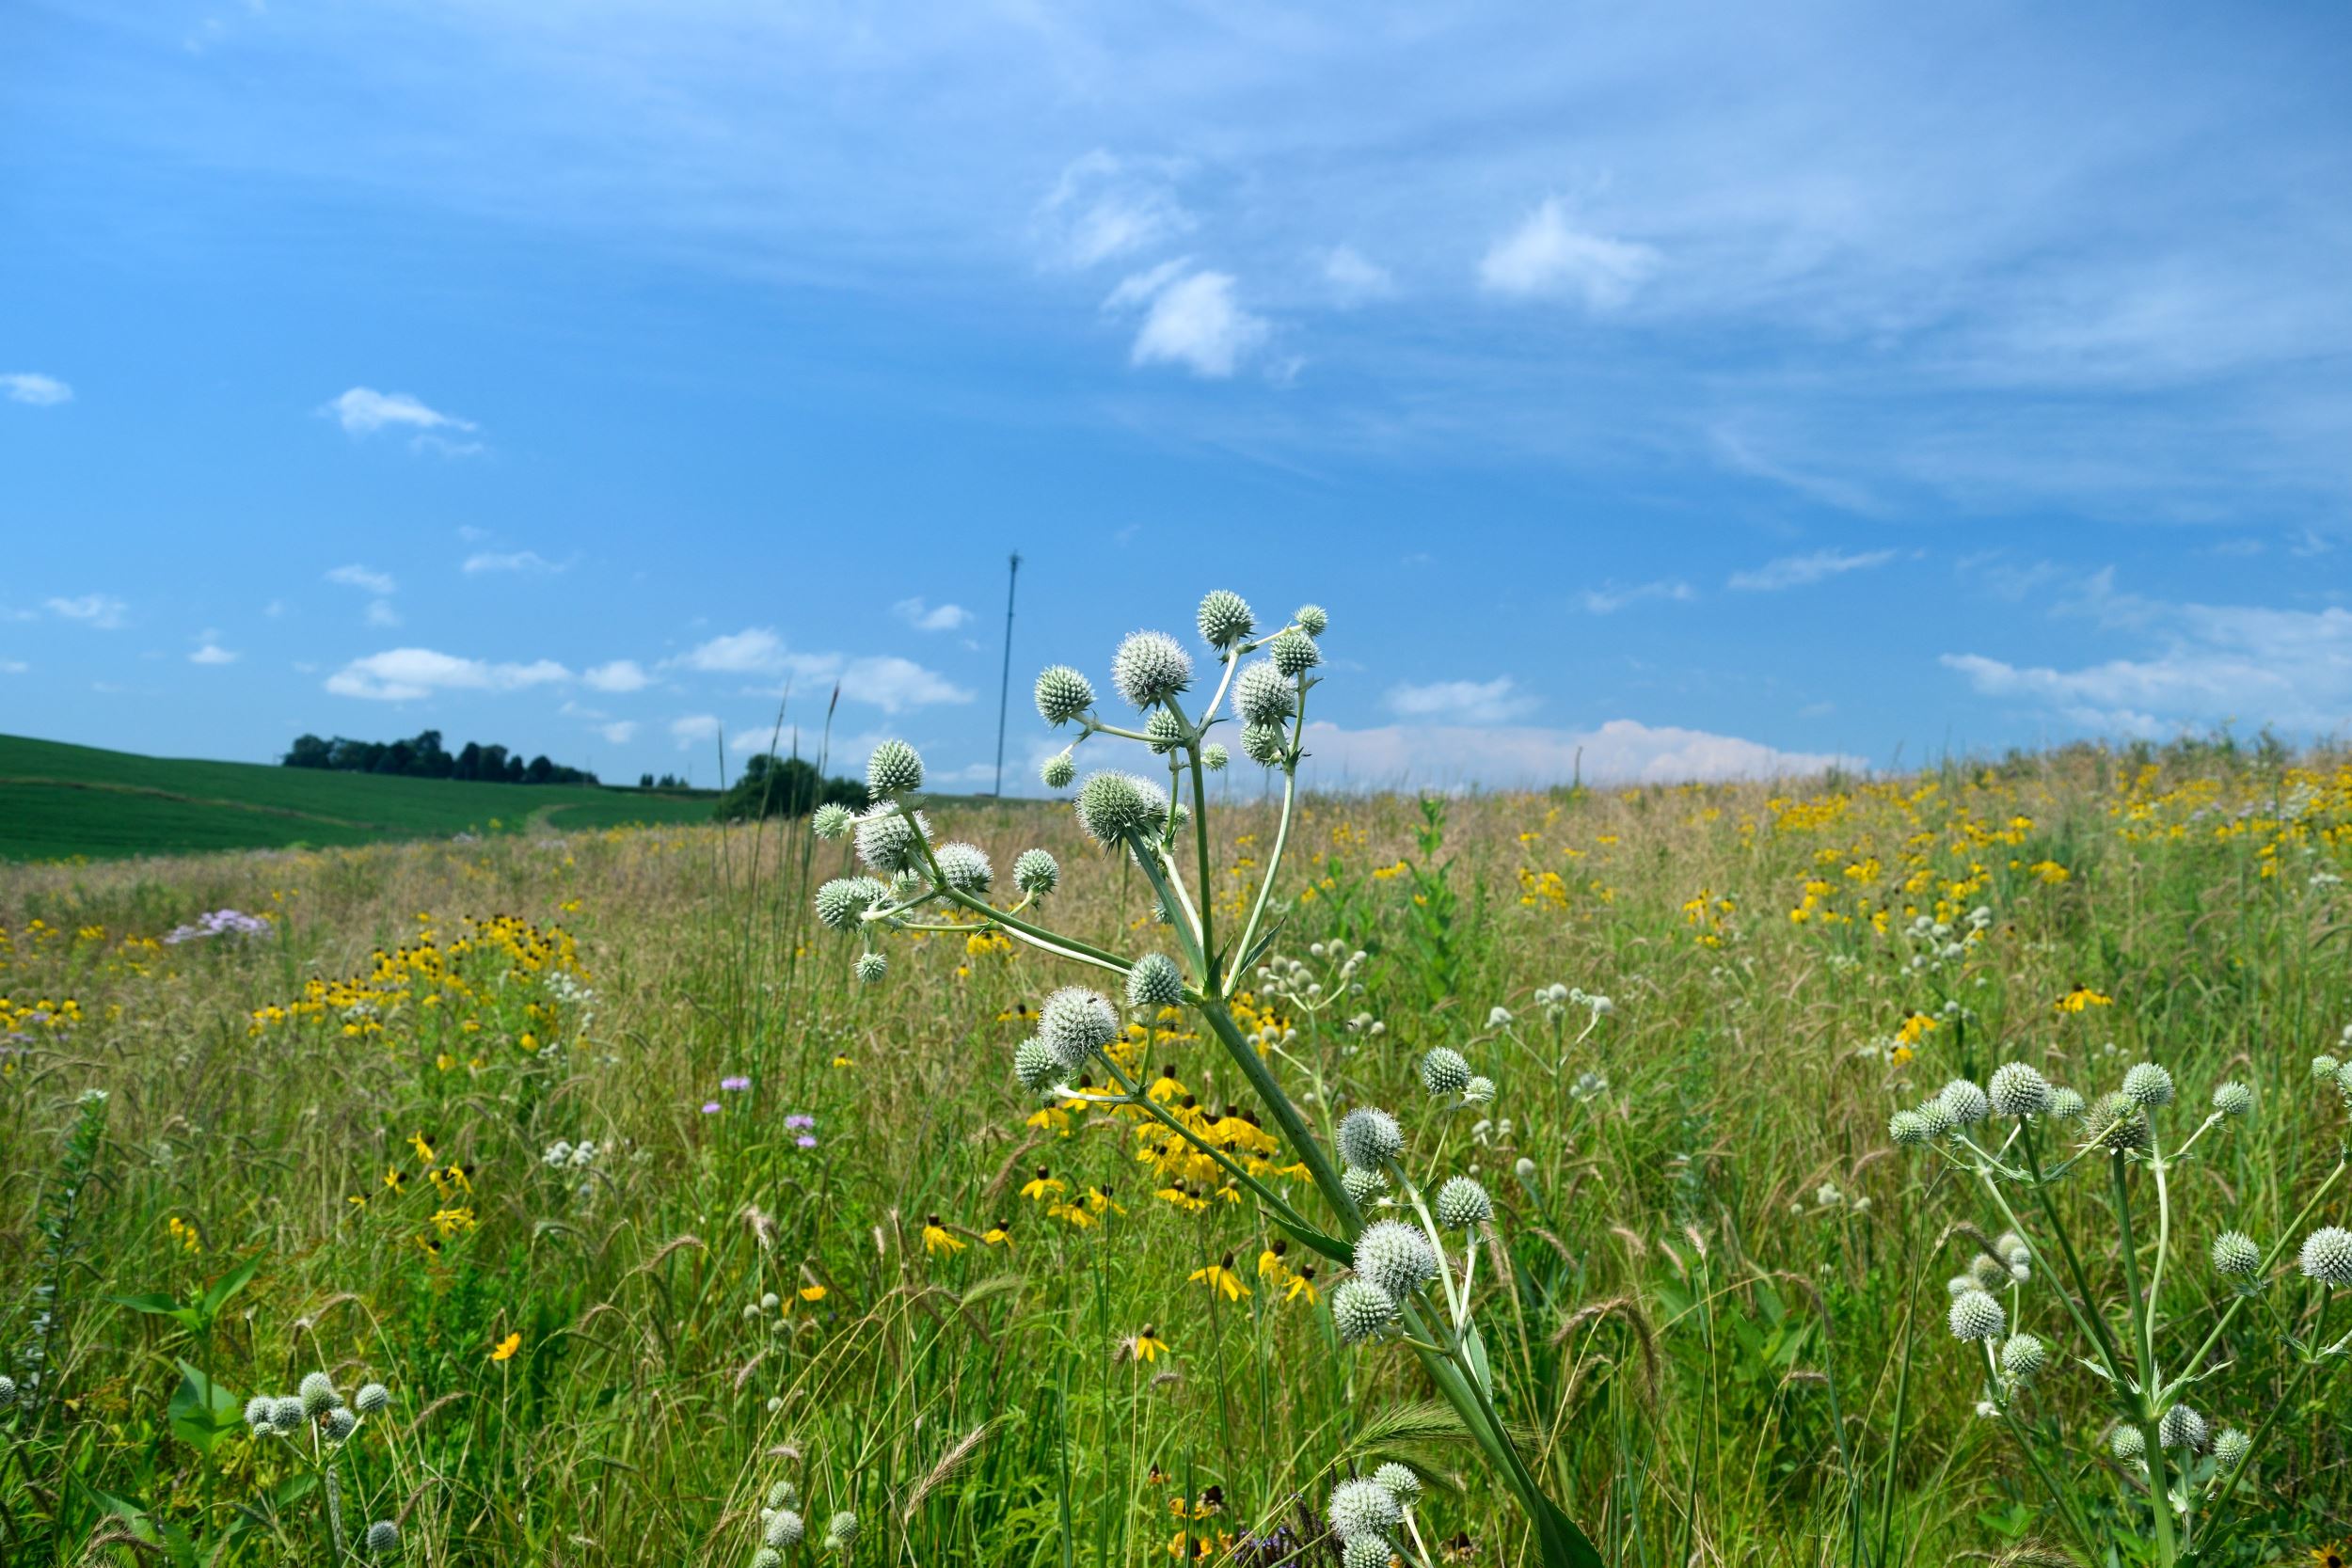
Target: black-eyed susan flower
[1220,1277]
[999,1234]
[1145,1344]
[936,1239]
[504,1350]
[1043,1187]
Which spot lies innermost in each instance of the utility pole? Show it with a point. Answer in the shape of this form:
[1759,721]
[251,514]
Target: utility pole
[1003,685]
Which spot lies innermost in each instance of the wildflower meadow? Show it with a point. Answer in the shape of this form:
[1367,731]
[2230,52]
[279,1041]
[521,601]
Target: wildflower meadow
[1197,1164]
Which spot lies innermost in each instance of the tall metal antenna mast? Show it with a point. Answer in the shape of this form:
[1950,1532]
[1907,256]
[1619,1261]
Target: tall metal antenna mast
[1004,686]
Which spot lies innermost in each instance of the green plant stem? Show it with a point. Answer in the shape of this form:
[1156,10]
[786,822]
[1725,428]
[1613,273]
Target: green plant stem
[1278,1104]
[1159,1113]
[2159,1492]
[2087,1315]
[2270,1261]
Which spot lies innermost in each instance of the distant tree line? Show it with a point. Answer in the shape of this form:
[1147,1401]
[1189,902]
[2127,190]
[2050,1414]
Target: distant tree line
[785,786]
[425,757]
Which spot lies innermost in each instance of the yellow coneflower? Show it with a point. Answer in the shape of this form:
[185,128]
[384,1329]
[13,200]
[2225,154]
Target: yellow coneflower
[1145,1345]
[2332,1557]
[424,1149]
[999,1234]
[936,1240]
[504,1350]
[1062,1208]
[1270,1265]
[2082,996]
[1043,1186]
[811,1292]
[1098,1198]
[1220,1277]
[1302,1284]
[1167,1087]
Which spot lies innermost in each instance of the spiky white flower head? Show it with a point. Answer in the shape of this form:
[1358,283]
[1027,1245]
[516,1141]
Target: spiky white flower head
[887,842]
[1293,653]
[1360,1309]
[1361,1185]
[2230,1448]
[1396,1256]
[1990,1274]
[1162,732]
[783,1494]
[371,1397]
[2149,1085]
[2234,1098]
[1035,873]
[966,868]
[1263,695]
[260,1411]
[2119,1123]
[842,902]
[1960,1284]
[893,768]
[1224,619]
[2019,1090]
[1057,771]
[1360,1506]
[1313,619]
[1399,1481]
[1112,805]
[2322,1067]
[383,1538]
[2022,1357]
[832,819]
[1478,1091]
[2236,1255]
[2126,1443]
[1369,1136]
[2182,1428]
[1964,1102]
[1149,667]
[1062,694]
[785,1530]
[1463,1204]
[1367,1551]
[318,1394]
[2065,1105]
[1264,744]
[1214,757]
[2327,1256]
[841,1533]
[1936,1116]
[871,967]
[1907,1129]
[767,1557]
[1036,1066]
[1155,983]
[341,1424]
[1444,1070]
[1975,1315]
[1077,1022]
[286,1413]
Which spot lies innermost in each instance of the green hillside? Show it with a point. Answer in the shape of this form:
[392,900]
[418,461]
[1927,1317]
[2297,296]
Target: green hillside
[59,800]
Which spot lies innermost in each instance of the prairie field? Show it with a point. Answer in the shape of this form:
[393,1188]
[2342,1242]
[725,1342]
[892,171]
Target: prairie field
[589,1147]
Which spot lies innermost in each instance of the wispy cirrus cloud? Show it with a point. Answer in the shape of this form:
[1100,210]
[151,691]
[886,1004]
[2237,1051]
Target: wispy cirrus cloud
[363,411]
[98,611]
[1610,599]
[1800,571]
[1545,256]
[511,561]
[31,386]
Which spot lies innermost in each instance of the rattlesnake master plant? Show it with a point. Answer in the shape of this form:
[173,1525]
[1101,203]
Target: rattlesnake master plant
[1377,1218]
[2020,1139]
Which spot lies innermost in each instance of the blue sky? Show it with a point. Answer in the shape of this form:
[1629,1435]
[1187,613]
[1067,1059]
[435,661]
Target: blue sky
[1709,390]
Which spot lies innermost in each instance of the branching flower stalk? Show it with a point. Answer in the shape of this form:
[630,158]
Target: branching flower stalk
[914,882]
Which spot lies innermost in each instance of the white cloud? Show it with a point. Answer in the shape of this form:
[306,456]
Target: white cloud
[13,667]
[1104,207]
[1196,321]
[945,617]
[42,391]
[1609,599]
[752,651]
[1355,278]
[1493,702]
[1799,571]
[893,684]
[694,729]
[98,611]
[620,732]
[381,613]
[1621,750]
[621,674]
[885,681]
[404,674]
[1545,257]
[213,652]
[363,410]
[367,577]
[511,561]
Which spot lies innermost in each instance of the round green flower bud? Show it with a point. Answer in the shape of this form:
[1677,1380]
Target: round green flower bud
[1362,1185]
[286,1412]
[260,1411]
[1063,694]
[784,1495]
[1263,695]
[1113,805]
[2234,1098]
[843,902]
[383,1538]
[1036,1065]
[1293,653]
[2236,1254]
[2149,1085]
[1444,1070]
[1074,1023]
[1463,1204]
[341,1423]
[2018,1090]
[887,842]
[1395,1256]
[832,820]
[2022,1357]
[2322,1067]
[1264,744]
[1990,1274]
[2326,1255]
[1213,757]
[871,967]
[1936,1117]
[1224,619]
[371,1397]
[2230,1448]
[841,1533]
[785,1530]
[2065,1105]
[767,1557]
[2126,1443]
[1035,873]
[965,867]
[1363,1507]
[2182,1428]
[1155,983]
[1975,1315]
[894,768]
[1398,1481]
[1360,1309]
[1311,619]
[1965,1103]
[1907,1130]
[318,1394]
[2120,1123]
[1057,771]
[1149,667]
[1478,1091]
[1367,1551]
[1163,733]
[1370,1138]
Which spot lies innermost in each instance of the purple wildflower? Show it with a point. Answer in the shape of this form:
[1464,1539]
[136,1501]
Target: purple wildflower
[799,1119]
[733,1085]
[218,922]
[711,1107]
[806,1140]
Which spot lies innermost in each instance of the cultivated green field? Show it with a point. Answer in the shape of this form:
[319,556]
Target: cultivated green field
[59,800]
[1713,1297]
